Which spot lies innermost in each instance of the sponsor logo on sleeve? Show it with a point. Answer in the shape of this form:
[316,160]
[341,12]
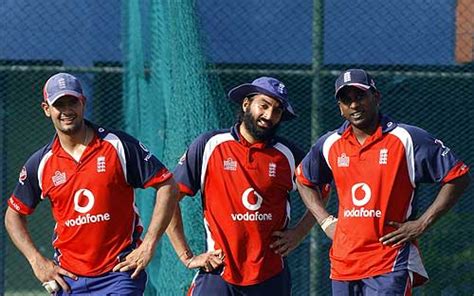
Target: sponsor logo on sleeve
[144,148]
[445,149]
[22,176]
[182,159]
[14,204]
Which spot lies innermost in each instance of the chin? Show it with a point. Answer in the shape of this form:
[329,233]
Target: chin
[70,129]
[360,123]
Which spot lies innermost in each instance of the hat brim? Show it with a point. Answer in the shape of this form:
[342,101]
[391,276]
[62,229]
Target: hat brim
[61,94]
[239,93]
[358,85]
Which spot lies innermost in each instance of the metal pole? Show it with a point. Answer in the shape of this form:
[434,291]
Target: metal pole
[3,192]
[317,62]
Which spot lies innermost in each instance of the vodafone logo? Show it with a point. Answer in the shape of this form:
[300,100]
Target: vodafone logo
[361,194]
[247,203]
[252,201]
[79,198]
[83,202]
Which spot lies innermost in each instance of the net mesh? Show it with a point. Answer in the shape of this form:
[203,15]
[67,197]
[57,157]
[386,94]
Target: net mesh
[160,70]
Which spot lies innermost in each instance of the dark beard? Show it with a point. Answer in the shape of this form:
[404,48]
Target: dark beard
[255,131]
[72,130]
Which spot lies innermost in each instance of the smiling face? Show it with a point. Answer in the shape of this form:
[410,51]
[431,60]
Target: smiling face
[67,114]
[360,107]
[262,116]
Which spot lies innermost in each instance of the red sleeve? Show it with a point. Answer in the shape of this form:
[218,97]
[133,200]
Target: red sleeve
[301,178]
[160,177]
[457,171]
[18,206]
[185,189]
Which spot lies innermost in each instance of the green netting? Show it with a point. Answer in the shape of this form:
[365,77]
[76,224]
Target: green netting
[178,101]
[160,69]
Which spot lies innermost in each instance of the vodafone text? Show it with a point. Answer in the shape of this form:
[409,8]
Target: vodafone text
[252,216]
[86,219]
[362,212]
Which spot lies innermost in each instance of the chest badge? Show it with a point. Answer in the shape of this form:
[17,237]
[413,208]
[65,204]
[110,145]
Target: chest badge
[101,164]
[59,178]
[343,161]
[230,164]
[272,169]
[383,156]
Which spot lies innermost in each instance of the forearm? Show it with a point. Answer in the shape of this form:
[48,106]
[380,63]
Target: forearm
[165,204]
[16,226]
[314,201]
[305,224]
[175,232]
[445,200]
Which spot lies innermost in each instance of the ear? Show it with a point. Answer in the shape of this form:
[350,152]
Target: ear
[378,97]
[245,104]
[340,109]
[45,106]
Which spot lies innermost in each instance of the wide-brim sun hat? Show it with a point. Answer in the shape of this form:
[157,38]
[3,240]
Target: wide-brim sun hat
[269,86]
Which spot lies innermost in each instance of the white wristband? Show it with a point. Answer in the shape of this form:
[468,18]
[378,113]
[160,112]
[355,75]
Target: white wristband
[328,221]
[51,286]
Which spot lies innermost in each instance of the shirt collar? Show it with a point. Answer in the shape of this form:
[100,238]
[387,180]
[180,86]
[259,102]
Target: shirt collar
[235,132]
[387,123]
[97,136]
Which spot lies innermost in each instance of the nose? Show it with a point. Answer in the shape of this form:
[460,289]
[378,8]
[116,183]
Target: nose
[354,103]
[67,109]
[267,113]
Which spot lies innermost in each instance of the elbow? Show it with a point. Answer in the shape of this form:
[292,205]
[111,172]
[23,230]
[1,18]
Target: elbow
[465,180]
[12,218]
[460,184]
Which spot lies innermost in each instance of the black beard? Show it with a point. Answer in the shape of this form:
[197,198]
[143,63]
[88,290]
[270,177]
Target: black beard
[73,129]
[257,132]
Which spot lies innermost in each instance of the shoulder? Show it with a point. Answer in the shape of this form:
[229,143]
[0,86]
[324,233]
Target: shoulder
[295,149]
[106,134]
[214,136]
[416,134]
[412,129]
[327,139]
[38,155]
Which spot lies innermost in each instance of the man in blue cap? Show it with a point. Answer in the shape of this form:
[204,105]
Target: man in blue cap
[376,164]
[245,174]
[88,174]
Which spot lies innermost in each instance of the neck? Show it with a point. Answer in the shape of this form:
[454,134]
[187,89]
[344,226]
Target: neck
[75,144]
[246,134]
[362,134]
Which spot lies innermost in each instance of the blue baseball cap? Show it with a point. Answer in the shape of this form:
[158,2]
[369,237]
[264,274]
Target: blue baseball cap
[269,86]
[62,84]
[354,77]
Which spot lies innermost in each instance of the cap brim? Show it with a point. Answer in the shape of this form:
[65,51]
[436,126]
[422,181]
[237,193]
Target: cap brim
[239,93]
[358,85]
[61,94]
